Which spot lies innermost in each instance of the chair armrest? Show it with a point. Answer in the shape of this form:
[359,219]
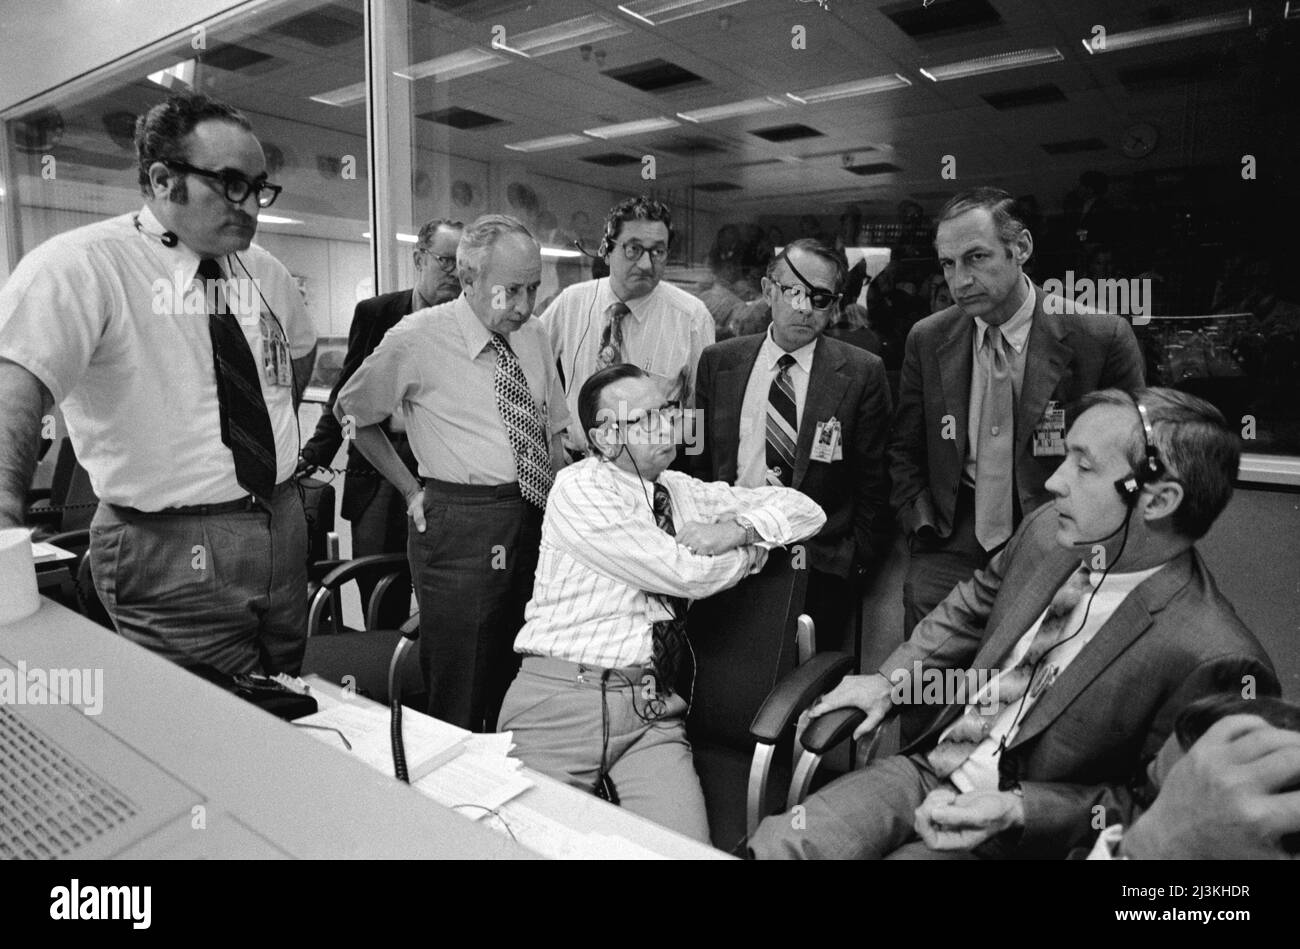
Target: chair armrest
[375,565]
[796,692]
[826,731]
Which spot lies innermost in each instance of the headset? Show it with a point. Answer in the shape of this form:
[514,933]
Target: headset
[1152,467]
[166,238]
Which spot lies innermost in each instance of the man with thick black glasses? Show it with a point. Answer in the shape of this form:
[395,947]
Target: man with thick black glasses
[632,316]
[177,351]
[796,408]
[375,508]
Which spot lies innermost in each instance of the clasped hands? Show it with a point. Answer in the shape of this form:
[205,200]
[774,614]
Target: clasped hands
[946,819]
[711,539]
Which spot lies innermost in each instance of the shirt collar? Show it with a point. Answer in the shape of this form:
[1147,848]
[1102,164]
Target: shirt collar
[1015,330]
[637,308]
[180,256]
[476,335]
[769,353]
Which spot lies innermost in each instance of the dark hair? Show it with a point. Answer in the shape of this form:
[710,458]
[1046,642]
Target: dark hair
[1008,218]
[1195,720]
[160,131]
[592,390]
[640,208]
[1194,441]
[430,230]
[818,249]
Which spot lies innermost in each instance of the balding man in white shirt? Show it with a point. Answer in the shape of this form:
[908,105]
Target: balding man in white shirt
[601,699]
[177,351]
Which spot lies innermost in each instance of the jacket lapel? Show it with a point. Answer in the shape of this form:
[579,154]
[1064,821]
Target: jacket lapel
[728,397]
[1047,357]
[956,368]
[826,385]
[1121,630]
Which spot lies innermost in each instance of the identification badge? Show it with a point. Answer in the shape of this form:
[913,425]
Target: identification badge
[1049,433]
[826,442]
[277,364]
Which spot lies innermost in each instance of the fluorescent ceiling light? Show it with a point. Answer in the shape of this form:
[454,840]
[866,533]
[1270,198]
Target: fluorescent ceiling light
[404,238]
[559,252]
[568,34]
[656,12]
[543,144]
[732,109]
[276,219]
[1291,11]
[1181,30]
[845,90]
[453,65]
[640,127]
[347,95]
[173,77]
[999,62]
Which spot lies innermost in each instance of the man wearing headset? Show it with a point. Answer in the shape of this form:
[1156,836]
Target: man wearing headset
[177,350]
[601,699]
[630,316]
[1088,633]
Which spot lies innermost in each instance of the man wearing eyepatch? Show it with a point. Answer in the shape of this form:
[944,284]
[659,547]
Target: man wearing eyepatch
[796,408]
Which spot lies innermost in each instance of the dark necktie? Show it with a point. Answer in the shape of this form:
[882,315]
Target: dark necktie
[965,735]
[994,461]
[668,637]
[245,422]
[524,429]
[611,340]
[782,426]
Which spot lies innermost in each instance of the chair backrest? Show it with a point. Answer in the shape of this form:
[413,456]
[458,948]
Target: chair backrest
[744,640]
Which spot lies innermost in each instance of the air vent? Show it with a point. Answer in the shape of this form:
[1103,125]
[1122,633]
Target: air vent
[1074,145]
[876,168]
[612,159]
[234,58]
[1023,98]
[655,75]
[459,118]
[689,147]
[713,186]
[787,133]
[329,26]
[943,18]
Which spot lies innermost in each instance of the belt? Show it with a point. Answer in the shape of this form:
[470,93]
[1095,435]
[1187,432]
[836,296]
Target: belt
[247,504]
[581,671]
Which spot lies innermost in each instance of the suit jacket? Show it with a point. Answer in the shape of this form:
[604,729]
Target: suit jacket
[1068,355]
[845,382]
[370,321]
[1086,741]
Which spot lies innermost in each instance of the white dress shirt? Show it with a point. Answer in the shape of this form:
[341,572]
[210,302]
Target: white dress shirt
[1016,332]
[980,770]
[751,453]
[664,334]
[99,315]
[603,558]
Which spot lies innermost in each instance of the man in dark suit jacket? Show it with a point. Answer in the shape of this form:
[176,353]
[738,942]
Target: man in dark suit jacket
[372,505]
[955,513]
[836,444]
[1080,689]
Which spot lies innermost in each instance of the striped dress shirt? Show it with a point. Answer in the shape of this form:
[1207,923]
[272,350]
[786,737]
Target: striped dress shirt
[606,568]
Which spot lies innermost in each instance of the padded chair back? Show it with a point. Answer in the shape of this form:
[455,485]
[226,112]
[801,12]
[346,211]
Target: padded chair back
[360,661]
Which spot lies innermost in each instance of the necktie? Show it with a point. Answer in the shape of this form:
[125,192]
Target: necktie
[611,339]
[523,427]
[245,422]
[782,425]
[996,446]
[668,637]
[965,735]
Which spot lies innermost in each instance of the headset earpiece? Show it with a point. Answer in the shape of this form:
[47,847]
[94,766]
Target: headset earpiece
[1152,467]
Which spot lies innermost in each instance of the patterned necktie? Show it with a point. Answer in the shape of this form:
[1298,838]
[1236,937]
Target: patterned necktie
[611,340]
[668,637]
[965,735]
[782,426]
[995,448]
[245,422]
[523,427]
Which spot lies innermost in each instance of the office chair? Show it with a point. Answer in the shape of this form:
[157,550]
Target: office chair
[370,663]
[382,570]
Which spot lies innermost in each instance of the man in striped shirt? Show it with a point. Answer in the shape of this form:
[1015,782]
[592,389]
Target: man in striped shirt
[625,544]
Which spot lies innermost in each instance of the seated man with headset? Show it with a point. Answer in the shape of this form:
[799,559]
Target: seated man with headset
[1088,633]
[602,697]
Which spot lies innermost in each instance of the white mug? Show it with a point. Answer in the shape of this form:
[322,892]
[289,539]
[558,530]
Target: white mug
[18,596]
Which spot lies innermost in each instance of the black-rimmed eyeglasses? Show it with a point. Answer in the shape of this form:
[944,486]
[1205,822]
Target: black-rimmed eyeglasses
[237,187]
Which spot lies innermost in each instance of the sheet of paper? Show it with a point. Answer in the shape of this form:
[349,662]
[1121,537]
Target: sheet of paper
[474,784]
[428,741]
[46,553]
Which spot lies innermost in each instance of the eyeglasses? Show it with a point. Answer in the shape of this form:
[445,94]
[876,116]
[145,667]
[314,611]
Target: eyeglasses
[634,252]
[446,261]
[817,298]
[237,187]
[647,420]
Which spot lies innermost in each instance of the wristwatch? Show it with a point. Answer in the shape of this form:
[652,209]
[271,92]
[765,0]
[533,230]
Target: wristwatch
[752,535]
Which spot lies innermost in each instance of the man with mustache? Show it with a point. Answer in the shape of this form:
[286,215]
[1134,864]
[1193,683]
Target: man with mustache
[177,350]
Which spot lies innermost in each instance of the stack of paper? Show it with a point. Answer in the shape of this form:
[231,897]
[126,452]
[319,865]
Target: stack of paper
[475,784]
[428,742]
